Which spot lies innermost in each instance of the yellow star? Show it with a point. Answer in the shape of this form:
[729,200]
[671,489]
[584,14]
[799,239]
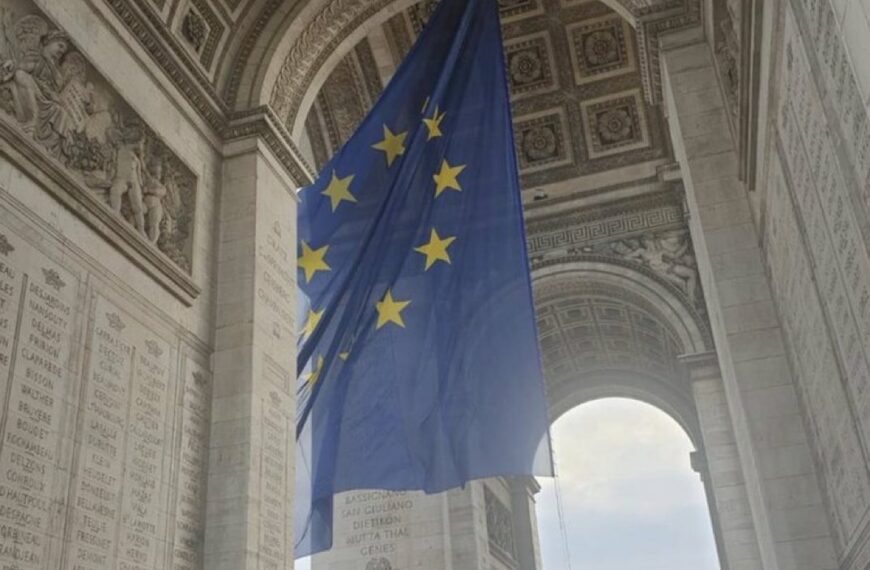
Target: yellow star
[447,177]
[312,322]
[390,311]
[311,261]
[393,144]
[436,249]
[434,124]
[314,375]
[344,355]
[339,190]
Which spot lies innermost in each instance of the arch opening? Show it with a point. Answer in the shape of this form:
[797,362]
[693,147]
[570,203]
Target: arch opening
[626,495]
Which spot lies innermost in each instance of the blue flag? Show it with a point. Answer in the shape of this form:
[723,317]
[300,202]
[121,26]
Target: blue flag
[418,358]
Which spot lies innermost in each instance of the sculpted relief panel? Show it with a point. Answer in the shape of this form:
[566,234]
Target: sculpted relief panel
[53,101]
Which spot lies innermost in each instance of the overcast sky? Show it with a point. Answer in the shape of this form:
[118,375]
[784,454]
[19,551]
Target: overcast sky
[630,497]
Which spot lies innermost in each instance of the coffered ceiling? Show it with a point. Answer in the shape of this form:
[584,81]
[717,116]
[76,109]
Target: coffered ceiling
[576,84]
[229,55]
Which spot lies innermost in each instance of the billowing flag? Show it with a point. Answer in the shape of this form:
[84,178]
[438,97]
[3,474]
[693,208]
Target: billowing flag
[418,358]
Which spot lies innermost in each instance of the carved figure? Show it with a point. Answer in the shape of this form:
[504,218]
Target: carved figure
[50,92]
[667,254]
[154,192]
[47,81]
[129,175]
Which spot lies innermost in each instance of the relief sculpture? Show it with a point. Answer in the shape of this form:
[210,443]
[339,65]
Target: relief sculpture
[668,254]
[51,93]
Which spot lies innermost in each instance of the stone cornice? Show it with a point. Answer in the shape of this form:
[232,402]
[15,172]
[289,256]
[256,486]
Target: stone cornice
[70,192]
[199,92]
[624,207]
[154,37]
[262,123]
[328,28]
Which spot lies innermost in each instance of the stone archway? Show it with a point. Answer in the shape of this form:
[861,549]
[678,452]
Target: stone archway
[607,330]
[270,68]
[628,491]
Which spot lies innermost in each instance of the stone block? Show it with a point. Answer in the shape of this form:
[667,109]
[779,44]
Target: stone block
[771,404]
[732,237]
[764,372]
[756,344]
[786,461]
[725,214]
[743,290]
[750,316]
[737,263]
[803,522]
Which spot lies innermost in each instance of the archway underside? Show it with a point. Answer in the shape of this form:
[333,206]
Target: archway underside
[602,338]
[575,71]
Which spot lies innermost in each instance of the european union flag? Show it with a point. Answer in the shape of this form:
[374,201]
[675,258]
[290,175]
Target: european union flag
[418,359]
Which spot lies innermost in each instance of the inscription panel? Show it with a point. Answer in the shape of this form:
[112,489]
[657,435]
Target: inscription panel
[192,469]
[837,445]
[37,321]
[274,473]
[385,530]
[834,73]
[120,490]
[816,182]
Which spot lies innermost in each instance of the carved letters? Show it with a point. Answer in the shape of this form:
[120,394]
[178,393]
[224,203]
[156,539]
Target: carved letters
[37,320]
[97,477]
[193,462]
[119,492]
[828,330]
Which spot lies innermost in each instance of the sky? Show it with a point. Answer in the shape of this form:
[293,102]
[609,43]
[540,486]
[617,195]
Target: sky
[629,496]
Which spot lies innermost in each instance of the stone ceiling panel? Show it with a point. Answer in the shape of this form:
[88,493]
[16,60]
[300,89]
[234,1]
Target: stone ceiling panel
[575,83]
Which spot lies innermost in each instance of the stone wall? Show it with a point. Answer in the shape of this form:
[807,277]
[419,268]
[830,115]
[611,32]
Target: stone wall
[107,251]
[816,238]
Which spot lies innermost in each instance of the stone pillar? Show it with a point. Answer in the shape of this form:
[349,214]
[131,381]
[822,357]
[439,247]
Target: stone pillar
[250,480]
[523,491]
[776,462]
[719,466]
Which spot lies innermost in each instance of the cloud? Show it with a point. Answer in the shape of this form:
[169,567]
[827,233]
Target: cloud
[629,496]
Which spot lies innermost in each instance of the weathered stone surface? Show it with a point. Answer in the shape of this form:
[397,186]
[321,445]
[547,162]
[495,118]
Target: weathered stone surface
[147,260]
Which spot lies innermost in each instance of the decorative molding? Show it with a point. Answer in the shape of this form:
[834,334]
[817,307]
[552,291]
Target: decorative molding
[73,194]
[600,48]
[210,31]
[697,311]
[511,10]
[176,60]
[263,123]
[588,326]
[499,528]
[530,65]
[543,140]
[653,22]
[64,124]
[615,124]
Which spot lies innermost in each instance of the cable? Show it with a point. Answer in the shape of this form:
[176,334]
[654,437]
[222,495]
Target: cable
[560,510]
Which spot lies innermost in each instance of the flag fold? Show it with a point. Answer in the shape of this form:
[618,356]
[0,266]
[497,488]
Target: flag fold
[418,360]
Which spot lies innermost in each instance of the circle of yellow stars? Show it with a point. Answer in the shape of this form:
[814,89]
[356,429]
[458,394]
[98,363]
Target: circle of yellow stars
[312,260]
